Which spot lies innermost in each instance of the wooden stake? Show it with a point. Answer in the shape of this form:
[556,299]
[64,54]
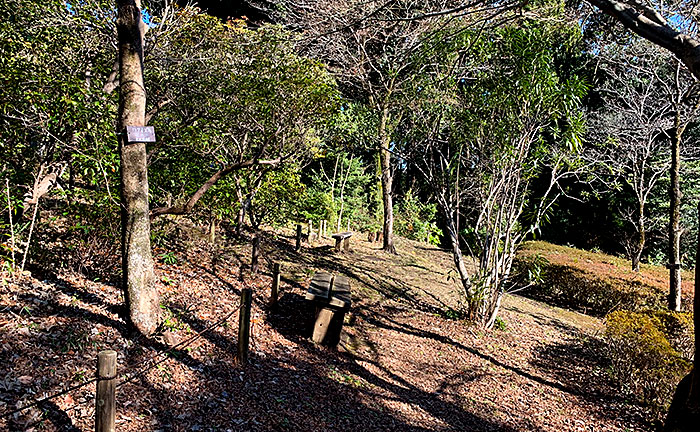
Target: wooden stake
[255,254]
[275,284]
[298,245]
[105,400]
[244,325]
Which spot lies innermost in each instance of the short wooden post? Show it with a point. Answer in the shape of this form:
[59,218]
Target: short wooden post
[379,236]
[255,254]
[310,228]
[275,283]
[244,325]
[298,245]
[346,244]
[105,400]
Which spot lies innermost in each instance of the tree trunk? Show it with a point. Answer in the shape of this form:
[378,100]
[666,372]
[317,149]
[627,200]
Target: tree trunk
[684,413]
[212,229]
[641,240]
[140,292]
[674,226]
[457,253]
[385,163]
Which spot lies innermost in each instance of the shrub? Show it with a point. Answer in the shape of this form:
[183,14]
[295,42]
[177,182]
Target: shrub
[650,353]
[415,220]
[594,283]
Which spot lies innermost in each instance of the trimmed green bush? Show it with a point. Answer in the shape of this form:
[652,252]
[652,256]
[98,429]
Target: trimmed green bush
[650,353]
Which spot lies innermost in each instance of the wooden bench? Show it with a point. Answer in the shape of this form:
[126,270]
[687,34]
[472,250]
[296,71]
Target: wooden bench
[345,238]
[330,296]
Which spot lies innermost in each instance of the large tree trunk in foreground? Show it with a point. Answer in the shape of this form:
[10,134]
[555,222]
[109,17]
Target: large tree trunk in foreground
[648,23]
[684,413]
[137,262]
[385,164]
[674,225]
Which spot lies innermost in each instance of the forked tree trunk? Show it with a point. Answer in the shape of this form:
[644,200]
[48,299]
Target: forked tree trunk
[385,164]
[457,256]
[684,413]
[674,225]
[140,292]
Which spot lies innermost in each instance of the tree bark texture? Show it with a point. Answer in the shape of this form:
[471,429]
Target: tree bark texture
[137,262]
[674,226]
[385,164]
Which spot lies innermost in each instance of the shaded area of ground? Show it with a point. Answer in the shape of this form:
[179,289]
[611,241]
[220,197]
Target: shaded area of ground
[401,365]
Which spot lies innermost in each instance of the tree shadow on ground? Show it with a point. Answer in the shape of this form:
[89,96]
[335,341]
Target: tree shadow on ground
[301,391]
[324,257]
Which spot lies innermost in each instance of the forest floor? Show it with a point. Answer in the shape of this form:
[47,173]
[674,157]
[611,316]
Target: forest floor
[404,363]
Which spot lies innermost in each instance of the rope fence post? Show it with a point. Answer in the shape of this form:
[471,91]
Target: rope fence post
[105,396]
[274,292]
[244,325]
[255,253]
[298,245]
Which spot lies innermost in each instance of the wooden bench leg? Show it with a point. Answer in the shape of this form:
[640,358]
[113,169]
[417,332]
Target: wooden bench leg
[337,245]
[336,328]
[321,325]
[328,326]
[346,244]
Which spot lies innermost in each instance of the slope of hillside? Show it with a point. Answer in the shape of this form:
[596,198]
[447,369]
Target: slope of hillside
[598,283]
[402,364]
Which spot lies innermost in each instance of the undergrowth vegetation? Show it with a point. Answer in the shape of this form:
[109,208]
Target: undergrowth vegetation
[595,283]
[650,352]
[649,348]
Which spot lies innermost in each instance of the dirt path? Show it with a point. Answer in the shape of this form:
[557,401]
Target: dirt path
[402,365]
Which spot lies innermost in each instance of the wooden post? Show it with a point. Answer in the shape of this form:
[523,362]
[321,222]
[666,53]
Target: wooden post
[105,401]
[275,283]
[244,325]
[298,245]
[255,253]
[310,228]
[346,244]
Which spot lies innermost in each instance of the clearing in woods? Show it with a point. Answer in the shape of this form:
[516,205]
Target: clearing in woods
[404,363]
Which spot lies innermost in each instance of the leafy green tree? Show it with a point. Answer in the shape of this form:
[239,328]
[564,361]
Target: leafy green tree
[479,140]
[254,104]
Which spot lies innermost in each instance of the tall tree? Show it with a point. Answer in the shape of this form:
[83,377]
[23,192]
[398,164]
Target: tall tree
[479,142]
[138,279]
[685,103]
[631,130]
[370,47]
